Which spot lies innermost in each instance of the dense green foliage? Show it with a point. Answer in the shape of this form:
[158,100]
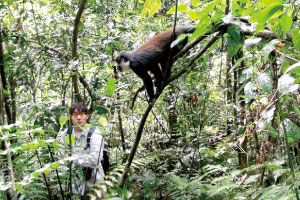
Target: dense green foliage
[227,128]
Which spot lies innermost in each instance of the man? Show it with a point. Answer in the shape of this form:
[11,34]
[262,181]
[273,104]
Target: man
[89,151]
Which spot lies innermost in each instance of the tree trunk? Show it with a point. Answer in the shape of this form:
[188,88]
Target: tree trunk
[77,94]
[228,95]
[4,83]
[241,124]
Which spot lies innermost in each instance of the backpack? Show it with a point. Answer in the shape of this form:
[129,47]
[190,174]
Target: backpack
[105,159]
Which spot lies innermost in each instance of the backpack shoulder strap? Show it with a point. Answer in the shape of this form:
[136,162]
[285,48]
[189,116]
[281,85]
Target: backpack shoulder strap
[88,138]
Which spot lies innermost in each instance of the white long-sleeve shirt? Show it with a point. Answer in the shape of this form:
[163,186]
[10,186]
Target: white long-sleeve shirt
[89,157]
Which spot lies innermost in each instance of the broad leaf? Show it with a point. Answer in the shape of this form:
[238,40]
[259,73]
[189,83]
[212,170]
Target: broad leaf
[63,120]
[268,48]
[111,86]
[261,17]
[249,88]
[265,82]
[286,84]
[151,7]
[67,139]
[296,39]
[181,8]
[285,22]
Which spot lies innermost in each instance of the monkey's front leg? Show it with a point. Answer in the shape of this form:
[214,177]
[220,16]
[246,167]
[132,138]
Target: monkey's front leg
[147,83]
[157,75]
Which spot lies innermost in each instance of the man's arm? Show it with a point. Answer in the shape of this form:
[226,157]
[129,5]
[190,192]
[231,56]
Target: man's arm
[92,157]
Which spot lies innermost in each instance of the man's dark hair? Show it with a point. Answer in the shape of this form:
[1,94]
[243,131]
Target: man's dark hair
[79,106]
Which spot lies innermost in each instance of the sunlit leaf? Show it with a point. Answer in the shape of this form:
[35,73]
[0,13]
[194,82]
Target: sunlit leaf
[103,121]
[181,8]
[199,32]
[285,22]
[54,165]
[192,14]
[67,139]
[261,17]
[151,7]
[62,120]
[210,6]
[296,38]
[195,2]
[111,86]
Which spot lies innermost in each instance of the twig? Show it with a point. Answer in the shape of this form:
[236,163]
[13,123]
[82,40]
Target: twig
[40,163]
[11,169]
[57,175]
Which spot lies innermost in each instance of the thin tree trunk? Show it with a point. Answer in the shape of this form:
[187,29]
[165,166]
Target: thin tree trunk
[77,94]
[228,95]
[11,169]
[241,124]
[120,114]
[4,83]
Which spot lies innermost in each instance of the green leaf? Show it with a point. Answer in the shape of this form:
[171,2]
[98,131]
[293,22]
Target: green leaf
[291,129]
[67,139]
[151,7]
[192,14]
[47,171]
[101,110]
[274,10]
[271,131]
[5,92]
[266,3]
[286,84]
[179,40]
[237,63]
[210,6]
[249,88]
[234,41]
[63,120]
[285,22]
[296,109]
[268,48]
[103,121]
[19,187]
[54,165]
[111,86]
[181,8]
[195,2]
[199,32]
[32,145]
[292,67]
[296,38]
[265,82]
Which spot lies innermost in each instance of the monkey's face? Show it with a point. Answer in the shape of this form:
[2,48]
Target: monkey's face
[123,62]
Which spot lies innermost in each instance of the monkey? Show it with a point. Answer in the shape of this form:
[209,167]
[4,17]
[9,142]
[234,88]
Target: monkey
[151,56]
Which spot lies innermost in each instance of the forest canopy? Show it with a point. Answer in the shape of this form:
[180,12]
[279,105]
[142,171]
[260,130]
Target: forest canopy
[224,125]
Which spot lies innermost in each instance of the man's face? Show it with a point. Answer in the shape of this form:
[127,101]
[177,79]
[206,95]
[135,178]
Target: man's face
[79,118]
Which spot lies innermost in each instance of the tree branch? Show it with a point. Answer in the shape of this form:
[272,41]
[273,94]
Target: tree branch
[74,49]
[189,66]
[249,30]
